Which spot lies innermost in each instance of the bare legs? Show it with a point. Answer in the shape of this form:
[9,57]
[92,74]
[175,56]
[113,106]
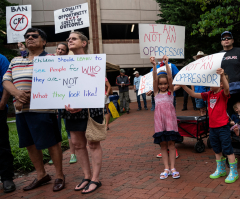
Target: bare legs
[107,116]
[36,157]
[71,146]
[172,154]
[231,158]
[80,143]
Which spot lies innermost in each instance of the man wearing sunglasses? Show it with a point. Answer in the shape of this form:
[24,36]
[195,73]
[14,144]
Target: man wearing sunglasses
[231,66]
[37,129]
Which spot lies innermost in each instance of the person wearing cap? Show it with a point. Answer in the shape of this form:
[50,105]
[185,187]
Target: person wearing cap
[136,83]
[200,104]
[122,81]
[231,66]
[37,129]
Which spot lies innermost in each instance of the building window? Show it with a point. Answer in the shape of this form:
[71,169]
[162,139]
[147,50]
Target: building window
[120,31]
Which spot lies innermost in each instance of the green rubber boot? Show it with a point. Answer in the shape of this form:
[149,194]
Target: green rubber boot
[233,174]
[221,169]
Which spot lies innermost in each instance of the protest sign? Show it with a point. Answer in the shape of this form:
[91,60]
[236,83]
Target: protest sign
[160,39]
[146,81]
[78,80]
[71,18]
[201,72]
[18,20]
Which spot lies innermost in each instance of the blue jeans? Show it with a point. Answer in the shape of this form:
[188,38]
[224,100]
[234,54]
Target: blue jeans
[144,100]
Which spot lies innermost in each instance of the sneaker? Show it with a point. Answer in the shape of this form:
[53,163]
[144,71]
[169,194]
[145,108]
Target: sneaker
[177,154]
[146,108]
[127,112]
[139,109]
[50,162]
[160,155]
[73,159]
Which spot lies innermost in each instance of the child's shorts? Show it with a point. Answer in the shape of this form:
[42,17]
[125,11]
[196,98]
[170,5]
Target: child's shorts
[220,139]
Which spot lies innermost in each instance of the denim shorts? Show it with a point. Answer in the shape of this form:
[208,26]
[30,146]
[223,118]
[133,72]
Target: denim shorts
[39,129]
[220,139]
[200,103]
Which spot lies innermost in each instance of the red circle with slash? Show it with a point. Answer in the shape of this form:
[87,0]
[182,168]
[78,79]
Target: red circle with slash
[21,16]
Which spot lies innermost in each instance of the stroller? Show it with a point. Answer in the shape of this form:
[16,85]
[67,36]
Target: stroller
[195,127]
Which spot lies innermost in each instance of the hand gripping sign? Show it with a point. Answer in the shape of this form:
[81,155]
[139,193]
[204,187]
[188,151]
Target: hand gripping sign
[71,18]
[161,39]
[201,72]
[18,19]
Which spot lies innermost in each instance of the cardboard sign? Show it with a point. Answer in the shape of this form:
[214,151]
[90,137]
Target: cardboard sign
[71,18]
[18,20]
[78,80]
[146,81]
[201,72]
[160,39]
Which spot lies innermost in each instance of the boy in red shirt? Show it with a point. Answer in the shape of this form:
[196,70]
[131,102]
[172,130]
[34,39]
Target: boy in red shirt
[220,136]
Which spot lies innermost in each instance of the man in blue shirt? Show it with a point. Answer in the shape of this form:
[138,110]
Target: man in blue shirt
[136,83]
[174,72]
[6,157]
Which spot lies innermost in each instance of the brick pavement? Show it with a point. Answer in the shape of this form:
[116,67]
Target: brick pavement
[131,170]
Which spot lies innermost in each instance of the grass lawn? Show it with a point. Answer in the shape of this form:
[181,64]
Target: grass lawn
[22,161]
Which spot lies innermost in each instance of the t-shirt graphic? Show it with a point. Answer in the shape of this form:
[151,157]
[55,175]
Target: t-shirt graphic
[213,102]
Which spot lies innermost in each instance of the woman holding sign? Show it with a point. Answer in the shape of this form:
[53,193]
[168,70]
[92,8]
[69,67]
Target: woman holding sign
[78,44]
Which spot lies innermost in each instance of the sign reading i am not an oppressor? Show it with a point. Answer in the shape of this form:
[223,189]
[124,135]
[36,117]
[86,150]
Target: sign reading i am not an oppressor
[71,18]
[78,80]
[160,39]
[201,72]
[18,20]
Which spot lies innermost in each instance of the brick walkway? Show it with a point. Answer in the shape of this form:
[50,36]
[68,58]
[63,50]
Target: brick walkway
[131,170]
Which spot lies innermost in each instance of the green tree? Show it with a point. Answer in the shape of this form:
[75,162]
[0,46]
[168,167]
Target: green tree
[218,16]
[3,50]
[186,13]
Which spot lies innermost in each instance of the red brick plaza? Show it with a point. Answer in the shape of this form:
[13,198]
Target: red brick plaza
[131,170]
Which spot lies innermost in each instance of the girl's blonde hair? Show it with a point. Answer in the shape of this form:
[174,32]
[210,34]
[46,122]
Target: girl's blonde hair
[82,37]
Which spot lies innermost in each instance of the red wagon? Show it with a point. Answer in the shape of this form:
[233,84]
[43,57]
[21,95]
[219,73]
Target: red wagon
[195,127]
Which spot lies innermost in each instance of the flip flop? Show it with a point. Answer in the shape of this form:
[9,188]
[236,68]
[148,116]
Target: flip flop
[99,184]
[84,180]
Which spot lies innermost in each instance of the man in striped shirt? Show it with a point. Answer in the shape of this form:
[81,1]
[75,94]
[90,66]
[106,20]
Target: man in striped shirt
[37,129]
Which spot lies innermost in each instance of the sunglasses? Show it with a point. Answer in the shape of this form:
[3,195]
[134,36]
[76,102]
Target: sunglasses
[72,38]
[226,38]
[34,36]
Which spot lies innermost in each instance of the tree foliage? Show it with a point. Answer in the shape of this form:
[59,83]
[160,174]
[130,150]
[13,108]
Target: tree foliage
[189,13]
[218,16]
[3,50]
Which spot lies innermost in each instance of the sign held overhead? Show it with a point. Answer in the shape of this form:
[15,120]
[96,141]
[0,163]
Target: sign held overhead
[71,18]
[160,39]
[201,72]
[18,19]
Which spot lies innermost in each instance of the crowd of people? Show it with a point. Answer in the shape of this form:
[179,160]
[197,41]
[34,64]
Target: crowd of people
[41,129]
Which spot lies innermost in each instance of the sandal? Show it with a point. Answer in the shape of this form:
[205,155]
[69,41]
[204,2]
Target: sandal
[174,172]
[84,180]
[99,184]
[165,175]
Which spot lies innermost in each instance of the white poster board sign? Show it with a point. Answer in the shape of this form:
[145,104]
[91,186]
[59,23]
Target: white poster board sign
[18,20]
[146,81]
[161,39]
[78,80]
[201,72]
[71,18]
